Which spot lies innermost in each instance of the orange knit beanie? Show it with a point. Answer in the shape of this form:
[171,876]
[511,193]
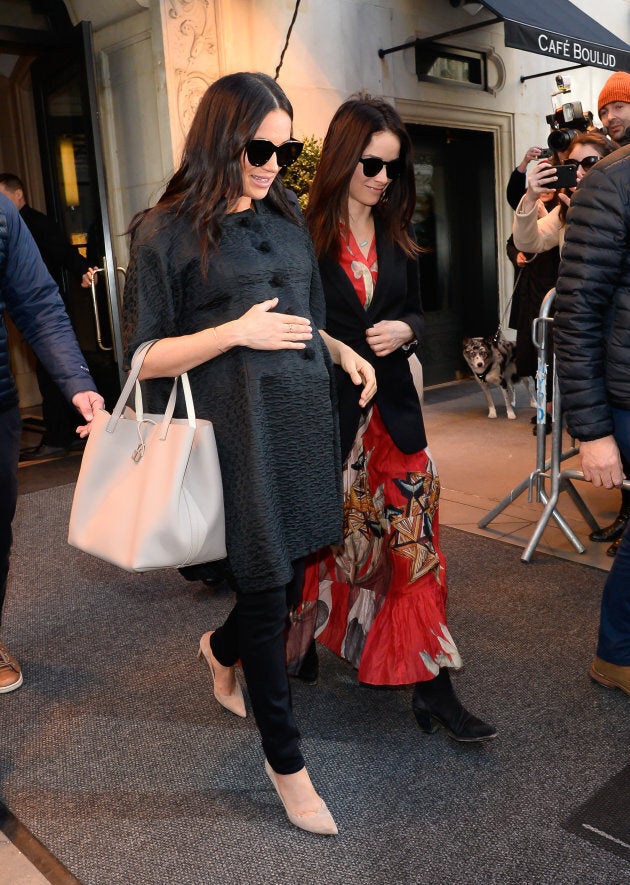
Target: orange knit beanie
[616,88]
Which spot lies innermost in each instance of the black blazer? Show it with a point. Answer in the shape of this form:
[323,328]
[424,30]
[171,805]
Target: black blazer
[396,297]
[55,248]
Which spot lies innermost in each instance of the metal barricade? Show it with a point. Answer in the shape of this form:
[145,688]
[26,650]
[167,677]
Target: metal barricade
[548,469]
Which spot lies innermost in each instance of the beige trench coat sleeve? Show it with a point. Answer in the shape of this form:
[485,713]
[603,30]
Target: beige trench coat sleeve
[534,234]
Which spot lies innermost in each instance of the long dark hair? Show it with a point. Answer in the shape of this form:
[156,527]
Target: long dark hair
[349,133]
[209,179]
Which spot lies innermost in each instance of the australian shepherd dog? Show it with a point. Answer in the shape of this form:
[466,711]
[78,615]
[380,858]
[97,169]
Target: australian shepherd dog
[491,361]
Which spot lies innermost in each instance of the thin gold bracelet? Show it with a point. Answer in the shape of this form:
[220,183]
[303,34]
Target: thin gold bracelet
[217,340]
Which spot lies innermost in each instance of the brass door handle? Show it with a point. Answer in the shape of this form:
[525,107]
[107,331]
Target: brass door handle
[97,321]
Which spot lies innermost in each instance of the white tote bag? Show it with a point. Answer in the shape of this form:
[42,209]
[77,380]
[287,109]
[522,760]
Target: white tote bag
[149,491]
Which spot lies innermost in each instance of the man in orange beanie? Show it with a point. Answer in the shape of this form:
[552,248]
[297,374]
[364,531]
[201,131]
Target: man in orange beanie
[614,107]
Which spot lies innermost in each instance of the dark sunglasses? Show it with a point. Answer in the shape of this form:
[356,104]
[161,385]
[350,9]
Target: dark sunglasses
[260,150]
[586,163]
[373,165]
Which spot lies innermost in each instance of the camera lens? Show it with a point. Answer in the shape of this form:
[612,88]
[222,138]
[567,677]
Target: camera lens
[560,139]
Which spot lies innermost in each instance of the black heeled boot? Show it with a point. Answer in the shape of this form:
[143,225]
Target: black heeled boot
[435,703]
[615,529]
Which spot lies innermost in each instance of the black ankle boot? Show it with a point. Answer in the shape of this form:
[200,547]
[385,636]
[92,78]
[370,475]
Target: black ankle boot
[434,702]
[615,529]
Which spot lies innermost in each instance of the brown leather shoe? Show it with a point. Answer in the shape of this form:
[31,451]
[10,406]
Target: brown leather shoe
[10,671]
[610,675]
[612,550]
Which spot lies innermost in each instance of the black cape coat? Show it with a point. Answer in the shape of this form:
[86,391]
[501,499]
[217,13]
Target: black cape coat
[273,412]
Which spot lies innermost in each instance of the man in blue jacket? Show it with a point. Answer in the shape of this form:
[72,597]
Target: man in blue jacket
[58,255]
[29,295]
[591,333]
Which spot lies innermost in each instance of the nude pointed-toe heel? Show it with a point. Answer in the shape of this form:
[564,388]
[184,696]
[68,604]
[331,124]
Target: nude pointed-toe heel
[234,702]
[321,822]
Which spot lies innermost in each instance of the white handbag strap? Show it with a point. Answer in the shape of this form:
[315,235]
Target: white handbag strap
[188,397]
[170,406]
[139,403]
[132,380]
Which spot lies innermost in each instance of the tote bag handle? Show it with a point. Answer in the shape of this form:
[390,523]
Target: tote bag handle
[132,381]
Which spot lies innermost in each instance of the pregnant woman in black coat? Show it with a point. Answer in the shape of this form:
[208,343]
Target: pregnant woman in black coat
[223,272]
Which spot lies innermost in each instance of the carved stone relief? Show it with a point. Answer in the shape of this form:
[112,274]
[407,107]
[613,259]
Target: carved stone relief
[191,59]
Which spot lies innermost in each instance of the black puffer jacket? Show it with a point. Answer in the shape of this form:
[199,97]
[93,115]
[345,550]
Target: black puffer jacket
[592,320]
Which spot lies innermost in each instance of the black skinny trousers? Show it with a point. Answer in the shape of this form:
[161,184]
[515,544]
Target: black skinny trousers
[254,632]
[10,430]
[60,417]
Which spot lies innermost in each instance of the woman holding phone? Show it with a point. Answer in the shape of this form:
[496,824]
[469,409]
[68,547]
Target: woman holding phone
[533,233]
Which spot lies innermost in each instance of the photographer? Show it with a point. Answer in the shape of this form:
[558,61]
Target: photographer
[534,234]
[517,185]
[535,275]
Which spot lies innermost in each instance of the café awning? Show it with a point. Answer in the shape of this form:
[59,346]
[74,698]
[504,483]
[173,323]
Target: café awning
[554,28]
[558,29]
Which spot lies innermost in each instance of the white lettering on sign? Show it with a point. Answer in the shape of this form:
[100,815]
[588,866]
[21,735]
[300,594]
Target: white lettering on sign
[593,56]
[559,48]
[576,52]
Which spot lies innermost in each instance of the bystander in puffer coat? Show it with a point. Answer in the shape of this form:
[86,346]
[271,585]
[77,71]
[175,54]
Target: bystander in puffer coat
[592,326]
[592,346]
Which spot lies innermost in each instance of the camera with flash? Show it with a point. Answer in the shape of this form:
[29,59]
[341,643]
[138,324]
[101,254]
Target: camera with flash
[567,120]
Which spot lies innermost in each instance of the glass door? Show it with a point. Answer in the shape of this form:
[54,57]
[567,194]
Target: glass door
[64,91]
[455,225]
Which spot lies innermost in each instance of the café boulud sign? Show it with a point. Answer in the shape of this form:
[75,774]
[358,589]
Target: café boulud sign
[567,49]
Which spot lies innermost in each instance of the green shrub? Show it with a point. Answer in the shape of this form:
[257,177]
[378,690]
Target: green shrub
[299,176]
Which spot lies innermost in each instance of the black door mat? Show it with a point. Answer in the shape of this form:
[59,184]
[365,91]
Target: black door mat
[443,393]
[604,819]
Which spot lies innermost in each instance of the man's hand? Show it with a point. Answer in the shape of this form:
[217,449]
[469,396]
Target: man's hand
[87,402]
[88,276]
[601,462]
[532,154]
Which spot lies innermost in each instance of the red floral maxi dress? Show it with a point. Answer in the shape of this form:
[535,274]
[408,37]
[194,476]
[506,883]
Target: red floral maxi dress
[379,600]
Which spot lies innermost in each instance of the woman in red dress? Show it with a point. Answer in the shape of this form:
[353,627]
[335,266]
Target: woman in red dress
[379,600]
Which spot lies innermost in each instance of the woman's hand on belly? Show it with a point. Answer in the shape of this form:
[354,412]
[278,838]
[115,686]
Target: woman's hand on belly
[258,328]
[261,329]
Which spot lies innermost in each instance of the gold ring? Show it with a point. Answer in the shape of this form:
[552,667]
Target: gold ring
[290,328]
